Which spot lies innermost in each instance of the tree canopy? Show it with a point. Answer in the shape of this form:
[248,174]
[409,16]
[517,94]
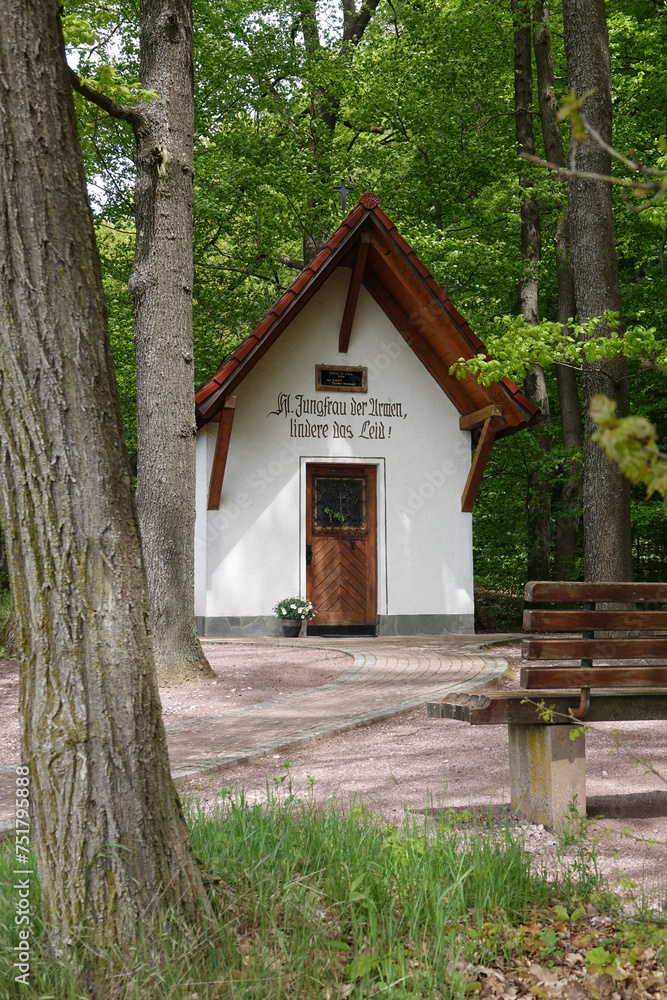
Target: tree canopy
[411,100]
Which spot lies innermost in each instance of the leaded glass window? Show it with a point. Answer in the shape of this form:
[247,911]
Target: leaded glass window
[340,504]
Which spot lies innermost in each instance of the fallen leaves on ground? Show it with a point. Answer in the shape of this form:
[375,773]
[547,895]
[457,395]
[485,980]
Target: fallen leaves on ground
[574,956]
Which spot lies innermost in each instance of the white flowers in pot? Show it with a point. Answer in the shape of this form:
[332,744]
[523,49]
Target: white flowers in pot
[296,608]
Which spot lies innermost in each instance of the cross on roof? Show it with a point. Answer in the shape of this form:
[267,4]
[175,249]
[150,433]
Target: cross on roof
[343,191]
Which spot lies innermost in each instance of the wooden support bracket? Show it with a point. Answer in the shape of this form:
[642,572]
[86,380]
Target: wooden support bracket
[220,455]
[472,420]
[353,293]
[482,452]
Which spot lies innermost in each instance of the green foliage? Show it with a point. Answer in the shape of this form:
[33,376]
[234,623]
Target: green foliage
[515,345]
[603,962]
[631,442]
[577,855]
[5,617]
[89,33]
[498,610]
[423,115]
[295,607]
[307,899]
[323,903]
[116,248]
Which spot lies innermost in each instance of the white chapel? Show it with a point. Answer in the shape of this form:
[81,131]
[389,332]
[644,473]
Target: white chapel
[338,459]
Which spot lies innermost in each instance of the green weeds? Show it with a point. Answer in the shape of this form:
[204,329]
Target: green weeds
[5,618]
[329,905]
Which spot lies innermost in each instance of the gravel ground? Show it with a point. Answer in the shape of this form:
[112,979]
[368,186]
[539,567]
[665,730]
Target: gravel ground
[410,764]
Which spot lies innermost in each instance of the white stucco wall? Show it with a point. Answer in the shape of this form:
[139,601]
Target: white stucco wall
[251,552]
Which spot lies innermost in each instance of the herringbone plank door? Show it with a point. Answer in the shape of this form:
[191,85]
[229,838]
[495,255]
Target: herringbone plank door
[341,539]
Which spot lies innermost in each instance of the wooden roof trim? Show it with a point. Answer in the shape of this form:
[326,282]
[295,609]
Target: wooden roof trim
[473,420]
[427,281]
[209,398]
[221,451]
[396,314]
[481,457]
[353,294]
[506,387]
[426,322]
[470,397]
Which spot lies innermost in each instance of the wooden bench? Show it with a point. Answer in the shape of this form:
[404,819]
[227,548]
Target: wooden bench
[547,768]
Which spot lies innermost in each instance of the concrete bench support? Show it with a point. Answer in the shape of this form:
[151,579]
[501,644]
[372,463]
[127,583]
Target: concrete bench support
[547,771]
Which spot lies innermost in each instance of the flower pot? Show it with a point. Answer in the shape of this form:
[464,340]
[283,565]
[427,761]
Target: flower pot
[291,627]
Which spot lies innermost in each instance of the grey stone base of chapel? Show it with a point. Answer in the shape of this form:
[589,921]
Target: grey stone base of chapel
[425,624]
[227,627]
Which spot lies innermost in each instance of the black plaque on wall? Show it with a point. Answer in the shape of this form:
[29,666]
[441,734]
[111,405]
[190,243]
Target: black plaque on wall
[341,378]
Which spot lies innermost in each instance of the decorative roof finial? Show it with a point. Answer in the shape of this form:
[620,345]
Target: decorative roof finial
[369,200]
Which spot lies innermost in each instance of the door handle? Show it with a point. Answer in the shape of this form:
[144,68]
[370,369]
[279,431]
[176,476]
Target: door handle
[352,543]
[309,554]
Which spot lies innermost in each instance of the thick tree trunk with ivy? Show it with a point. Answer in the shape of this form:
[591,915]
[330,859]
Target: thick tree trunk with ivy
[606,492]
[539,481]
[112,847]
[569,503]
[161,287]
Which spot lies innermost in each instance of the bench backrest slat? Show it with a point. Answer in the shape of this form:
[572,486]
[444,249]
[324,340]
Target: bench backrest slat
[545,590]
[537,678]
[577,649]
[578,621]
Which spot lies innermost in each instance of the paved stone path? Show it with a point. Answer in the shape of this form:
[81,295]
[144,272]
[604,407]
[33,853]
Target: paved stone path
[386,676]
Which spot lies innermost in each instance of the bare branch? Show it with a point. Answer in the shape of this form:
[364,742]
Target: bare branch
[296,265]
[122,111]
[590,175]
[633,165]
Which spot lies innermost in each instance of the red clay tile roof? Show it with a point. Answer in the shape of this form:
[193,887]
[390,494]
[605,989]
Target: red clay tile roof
[448,334]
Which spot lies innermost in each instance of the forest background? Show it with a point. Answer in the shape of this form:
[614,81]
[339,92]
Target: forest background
[416,102]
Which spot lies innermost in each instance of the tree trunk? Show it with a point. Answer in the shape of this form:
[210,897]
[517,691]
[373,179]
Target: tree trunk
[112,847]
[606,492]
[569,504]
[539,482]
[161,287]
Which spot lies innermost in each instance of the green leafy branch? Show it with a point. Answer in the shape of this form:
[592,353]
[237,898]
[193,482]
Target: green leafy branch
[108,81]
[631,442]
[514,346]
[645,182]
[84,36]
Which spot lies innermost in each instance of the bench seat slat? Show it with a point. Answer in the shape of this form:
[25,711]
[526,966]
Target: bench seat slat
[621,676]
[579,621]
[496,709]
[544,590]
[577,649]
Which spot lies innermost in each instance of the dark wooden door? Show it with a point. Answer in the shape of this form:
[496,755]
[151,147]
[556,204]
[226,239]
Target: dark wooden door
[341,544]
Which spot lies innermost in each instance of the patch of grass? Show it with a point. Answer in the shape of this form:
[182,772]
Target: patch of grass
[5,617]
[316,904]
[329,905]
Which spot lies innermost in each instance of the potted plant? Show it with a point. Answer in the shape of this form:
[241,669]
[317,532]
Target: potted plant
[292,611]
